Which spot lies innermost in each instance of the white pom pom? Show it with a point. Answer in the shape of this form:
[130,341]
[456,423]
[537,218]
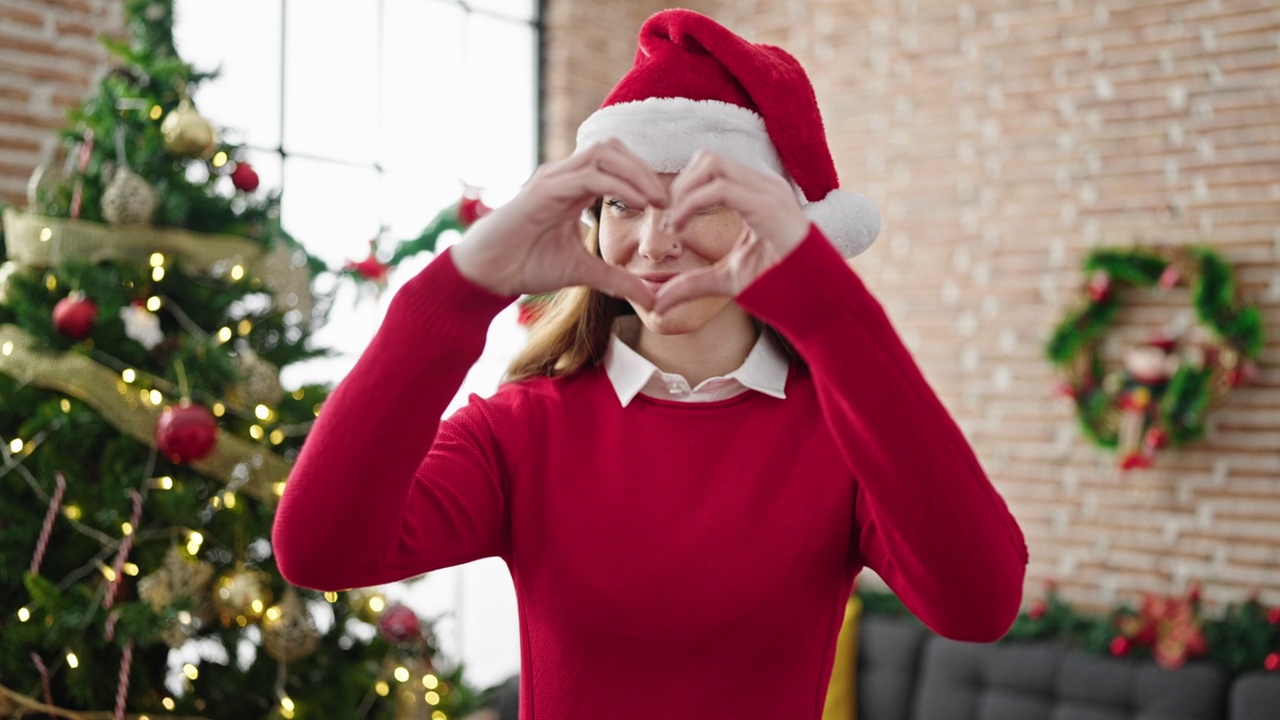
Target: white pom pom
[142,325]
[849,220]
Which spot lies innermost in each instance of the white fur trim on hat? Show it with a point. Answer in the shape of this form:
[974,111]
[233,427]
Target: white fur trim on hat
[668,131]
[848,219]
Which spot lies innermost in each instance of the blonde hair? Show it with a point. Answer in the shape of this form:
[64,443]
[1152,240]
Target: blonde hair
[572,331]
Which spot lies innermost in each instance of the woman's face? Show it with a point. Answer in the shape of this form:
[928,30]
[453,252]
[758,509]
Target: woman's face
[634,240]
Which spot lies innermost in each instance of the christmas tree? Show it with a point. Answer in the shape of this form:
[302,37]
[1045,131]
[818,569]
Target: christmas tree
[148,298]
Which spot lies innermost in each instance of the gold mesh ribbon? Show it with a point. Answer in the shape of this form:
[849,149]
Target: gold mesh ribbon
[16,705]
[253,468]
[39,241]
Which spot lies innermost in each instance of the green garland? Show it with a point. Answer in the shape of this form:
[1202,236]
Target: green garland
[1177,410]
[1170,630]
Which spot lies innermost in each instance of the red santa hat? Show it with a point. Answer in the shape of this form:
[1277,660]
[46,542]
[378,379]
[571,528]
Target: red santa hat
[695,85]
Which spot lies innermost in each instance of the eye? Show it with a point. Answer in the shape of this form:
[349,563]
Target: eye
[618,208]
[709,209]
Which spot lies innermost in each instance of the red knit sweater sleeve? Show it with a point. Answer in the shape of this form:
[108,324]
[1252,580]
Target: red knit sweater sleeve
[929,521]
[382,489]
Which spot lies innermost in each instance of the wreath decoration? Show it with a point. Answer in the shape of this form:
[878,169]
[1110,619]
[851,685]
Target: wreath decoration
[1169,382]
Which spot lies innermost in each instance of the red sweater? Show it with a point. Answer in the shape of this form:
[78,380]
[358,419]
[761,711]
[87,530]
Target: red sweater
[670,560]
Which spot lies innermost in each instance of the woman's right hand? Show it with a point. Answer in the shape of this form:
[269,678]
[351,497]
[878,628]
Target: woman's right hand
[533,244]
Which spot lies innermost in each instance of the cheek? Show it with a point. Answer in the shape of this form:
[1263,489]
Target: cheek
[614,247]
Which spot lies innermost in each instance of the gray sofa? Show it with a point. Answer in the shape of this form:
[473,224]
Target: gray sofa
[906,672]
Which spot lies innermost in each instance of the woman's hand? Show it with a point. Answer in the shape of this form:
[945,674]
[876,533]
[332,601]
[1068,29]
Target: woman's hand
[533,244]
[775,224]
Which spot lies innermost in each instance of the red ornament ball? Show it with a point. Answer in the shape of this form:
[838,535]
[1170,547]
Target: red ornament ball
[399,624]
[1273,616]
[74,315]
[187,432]
[244,177]
[1121,646]
[1272,662]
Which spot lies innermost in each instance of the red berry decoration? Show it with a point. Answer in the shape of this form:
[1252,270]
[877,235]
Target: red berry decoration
[244,177]
[186,432]
[1272,662]
[74,315]
[399,624]
[1037,610]
[471,209]
[1121,646]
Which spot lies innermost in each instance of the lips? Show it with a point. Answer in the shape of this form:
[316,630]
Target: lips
[655,280]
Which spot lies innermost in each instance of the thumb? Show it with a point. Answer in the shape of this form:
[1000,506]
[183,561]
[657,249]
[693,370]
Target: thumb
[616,282]
[691,286]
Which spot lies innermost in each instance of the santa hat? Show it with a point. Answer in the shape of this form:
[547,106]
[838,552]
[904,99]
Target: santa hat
[695,85]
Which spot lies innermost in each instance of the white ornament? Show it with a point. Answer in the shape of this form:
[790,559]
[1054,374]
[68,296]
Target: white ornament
[142,325]
[128,199]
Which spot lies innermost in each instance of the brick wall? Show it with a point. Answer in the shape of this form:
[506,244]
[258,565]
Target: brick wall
[49,60]
[1002,141]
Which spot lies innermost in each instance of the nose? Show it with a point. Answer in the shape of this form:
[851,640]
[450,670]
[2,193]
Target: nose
[657,244]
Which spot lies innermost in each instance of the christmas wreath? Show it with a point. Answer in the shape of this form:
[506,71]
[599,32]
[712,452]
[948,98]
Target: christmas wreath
[1167,384]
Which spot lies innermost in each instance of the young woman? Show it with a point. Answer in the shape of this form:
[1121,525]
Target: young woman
[705,441]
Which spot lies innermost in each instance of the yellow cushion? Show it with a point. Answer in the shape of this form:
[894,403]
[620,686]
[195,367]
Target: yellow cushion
[842,697]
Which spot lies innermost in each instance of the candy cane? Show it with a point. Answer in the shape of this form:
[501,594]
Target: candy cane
[47,528]
[77,194]
[122,686]
[44,678]
[125,546]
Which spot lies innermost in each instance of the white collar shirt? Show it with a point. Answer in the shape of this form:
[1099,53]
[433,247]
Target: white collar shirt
[764,370]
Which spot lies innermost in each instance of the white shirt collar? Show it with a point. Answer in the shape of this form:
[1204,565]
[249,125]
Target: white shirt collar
[764,370]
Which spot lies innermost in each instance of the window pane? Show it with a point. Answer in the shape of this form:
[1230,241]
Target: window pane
[331,208]
[243,38]
[518,9]
[411,198]
[331,80]
[500,131]
[423,104]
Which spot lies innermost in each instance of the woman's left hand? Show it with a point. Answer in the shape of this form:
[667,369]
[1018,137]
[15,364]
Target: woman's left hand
[774,224]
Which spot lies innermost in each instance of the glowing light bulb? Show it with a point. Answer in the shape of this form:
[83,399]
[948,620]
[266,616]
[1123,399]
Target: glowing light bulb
[377,604]
[402,674]
[432,697]
[237,272]
[15,445]
[157,274]
[430,682]
[224,334]
[46,234]
[262,412]
[154,303]
[126,528]
[331,597]
[128,375]
[157,260]
[72,661]
[219,409]
[219,159]
[23,614]
[191,671]
[130,569]
[65,405]
[382,688]
[168,703]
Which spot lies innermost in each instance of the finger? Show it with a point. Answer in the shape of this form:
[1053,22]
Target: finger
[582,187]
[717,191]
[615,158]
[614,282]
[703,166]
[712,281]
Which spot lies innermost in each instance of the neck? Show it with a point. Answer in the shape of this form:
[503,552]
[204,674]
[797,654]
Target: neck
[715,349]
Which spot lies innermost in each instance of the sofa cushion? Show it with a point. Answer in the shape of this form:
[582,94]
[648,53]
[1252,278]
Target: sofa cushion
[1049,681]
[888,661]
[1256,696]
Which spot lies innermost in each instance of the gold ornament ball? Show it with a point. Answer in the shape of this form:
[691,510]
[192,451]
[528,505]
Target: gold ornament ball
[187,133]
[234,595]
[259,381]
[128,199]
[288,632]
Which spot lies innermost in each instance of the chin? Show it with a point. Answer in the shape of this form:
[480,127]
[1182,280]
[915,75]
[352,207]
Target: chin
[685,318]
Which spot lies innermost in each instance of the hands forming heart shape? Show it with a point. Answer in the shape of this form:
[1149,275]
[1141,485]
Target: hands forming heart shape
[533,243]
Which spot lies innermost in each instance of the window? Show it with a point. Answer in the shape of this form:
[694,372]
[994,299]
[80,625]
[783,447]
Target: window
[370,117]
